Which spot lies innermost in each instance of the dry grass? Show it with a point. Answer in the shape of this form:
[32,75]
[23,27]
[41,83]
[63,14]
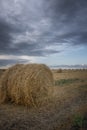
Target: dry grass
[67,101]
[26,84]
[2,71]
[66,74]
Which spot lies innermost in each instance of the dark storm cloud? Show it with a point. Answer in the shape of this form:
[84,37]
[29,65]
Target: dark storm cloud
[68,17]
[7,31]
[11,62]
[69,8]
[30,27]
[29,47]
[5,37]
[44,52]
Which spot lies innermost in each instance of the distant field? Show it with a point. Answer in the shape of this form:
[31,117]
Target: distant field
[66,109]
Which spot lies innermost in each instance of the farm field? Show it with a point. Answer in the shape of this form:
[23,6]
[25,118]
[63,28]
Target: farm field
[66,108]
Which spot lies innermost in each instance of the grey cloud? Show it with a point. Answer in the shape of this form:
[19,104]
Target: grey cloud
[5,37]
[11,62]
[7,31]
[43,52]
[64,9]
[29,27]
[18,21]
[68,17]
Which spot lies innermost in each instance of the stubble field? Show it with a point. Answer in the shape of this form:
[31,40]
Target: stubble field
[66,108]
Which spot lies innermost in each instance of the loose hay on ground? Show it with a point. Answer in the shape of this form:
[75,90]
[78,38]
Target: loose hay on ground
[26,84]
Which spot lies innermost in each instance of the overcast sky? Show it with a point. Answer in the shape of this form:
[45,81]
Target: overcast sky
[53,32]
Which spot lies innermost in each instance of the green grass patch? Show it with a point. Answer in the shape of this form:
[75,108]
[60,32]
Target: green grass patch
[66,81]
[78,121]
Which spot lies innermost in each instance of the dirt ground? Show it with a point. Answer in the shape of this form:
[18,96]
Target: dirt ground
[66,109]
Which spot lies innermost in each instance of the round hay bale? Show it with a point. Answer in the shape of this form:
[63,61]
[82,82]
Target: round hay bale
[26,84]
